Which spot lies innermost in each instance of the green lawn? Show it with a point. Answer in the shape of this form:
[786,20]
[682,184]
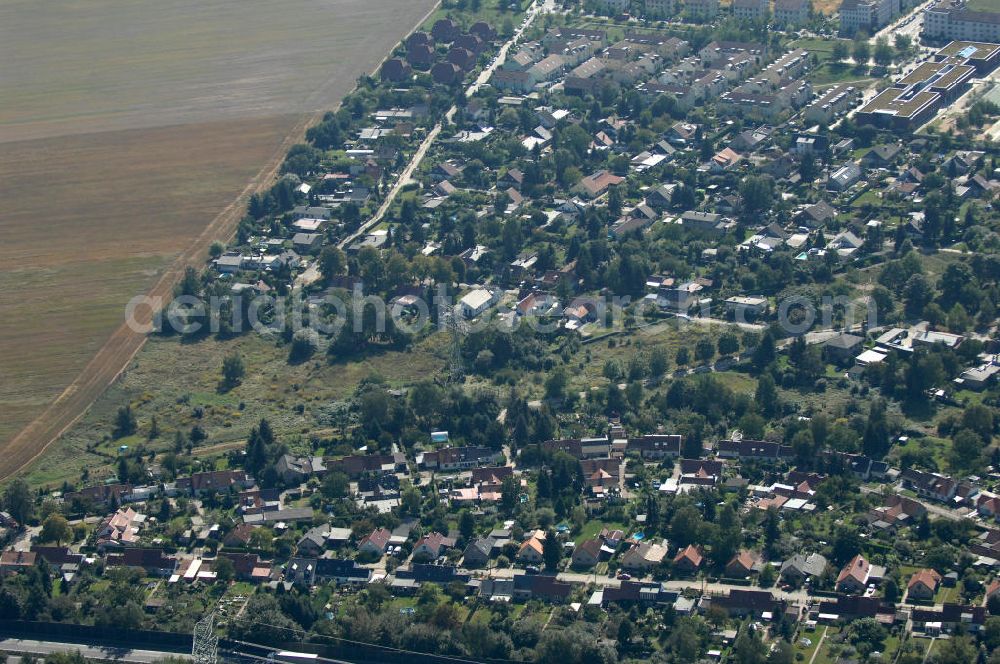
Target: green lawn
[823,48]
[984,5]
[945,594]
[869,197]
[837,72]
[594,527]
[806,652]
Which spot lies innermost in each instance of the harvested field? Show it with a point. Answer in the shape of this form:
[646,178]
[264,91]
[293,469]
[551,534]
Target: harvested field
[87,231]
[164,111]
[97,65]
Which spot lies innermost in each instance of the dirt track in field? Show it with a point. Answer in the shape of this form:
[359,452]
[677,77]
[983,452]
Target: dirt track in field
[177,250]
[117,352]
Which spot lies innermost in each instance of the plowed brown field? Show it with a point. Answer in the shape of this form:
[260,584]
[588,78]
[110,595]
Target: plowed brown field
[130,136]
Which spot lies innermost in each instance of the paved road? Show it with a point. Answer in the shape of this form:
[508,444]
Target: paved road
[605,581]
[932,508]
[406,176]
[26,646]
[908,24]
[401,181]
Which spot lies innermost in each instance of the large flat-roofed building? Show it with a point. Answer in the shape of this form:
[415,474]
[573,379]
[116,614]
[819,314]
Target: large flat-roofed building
[949,78]
[983,56]
[751,10]
[659,8]
[897,108]
[916,97]
[951,20]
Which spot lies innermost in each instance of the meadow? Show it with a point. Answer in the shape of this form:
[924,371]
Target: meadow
[125,132]
[984,5]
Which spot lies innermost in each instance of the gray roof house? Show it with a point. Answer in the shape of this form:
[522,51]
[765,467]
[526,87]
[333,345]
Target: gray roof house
[800,567]
[477,554]
[843,347]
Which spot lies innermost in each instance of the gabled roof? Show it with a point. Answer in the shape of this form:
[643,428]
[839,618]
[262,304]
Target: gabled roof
[745,559]
[533,544]
[928,577]
[591,547]
[691,554]
[18,558]
[378,538]
[483,546]
[811,565]
[858,569]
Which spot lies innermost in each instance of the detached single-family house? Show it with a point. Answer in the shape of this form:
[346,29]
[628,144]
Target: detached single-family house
[587,553]
[12,562]
[844,177]
[531,551]
[923,585]
[743,564]
[597,184]
[843,347]
[375,543]
[855,575]
[430,547]
[800,568]
[688,560]
[478,552]
[477,301]
[644,556]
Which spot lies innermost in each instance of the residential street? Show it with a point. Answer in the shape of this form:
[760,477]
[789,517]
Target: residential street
[406,176]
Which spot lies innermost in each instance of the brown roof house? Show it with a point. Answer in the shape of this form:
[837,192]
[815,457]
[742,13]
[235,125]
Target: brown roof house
[239,536]
[429,547]
[375,543]
[857,574]
[396,70]
[249,566]
[743,564]
[483,30]
[897,510]
[445,30]
[587,553]
[531,551]
[12,562]
[595,185]
[420,55]
[446,73]
[462,57]
[923,585]
[688,560]
[215,481]
[758,603]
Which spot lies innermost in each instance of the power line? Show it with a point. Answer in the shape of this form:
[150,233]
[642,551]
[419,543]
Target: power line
[205,645]
[304,633]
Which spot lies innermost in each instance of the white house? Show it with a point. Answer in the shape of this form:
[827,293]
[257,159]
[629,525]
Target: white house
[477,301]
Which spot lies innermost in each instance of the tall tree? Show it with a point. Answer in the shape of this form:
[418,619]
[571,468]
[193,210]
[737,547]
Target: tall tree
[551,551]
[17,500]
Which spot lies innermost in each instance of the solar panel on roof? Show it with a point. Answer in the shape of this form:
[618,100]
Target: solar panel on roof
[968,51]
